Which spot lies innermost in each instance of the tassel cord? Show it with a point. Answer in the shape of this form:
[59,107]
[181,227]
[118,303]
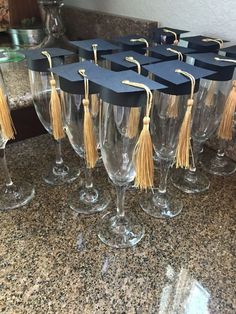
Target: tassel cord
[184,141]
[174,33]
[219,41]
[56,107]
[143,151]
[90,144]
[141,40]
[95,53]
[179,54]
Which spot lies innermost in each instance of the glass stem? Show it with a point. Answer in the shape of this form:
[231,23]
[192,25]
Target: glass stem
[195,154]
[164,170]
[59,159]
[6,172]
[88,178]
[120,192]
[221,150]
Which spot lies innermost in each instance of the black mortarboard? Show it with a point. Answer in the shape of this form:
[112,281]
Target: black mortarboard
[72,82]
[129,42]
[229,51]
[165,73]
[164,52]
[223,70]
[119,63]
[36,61]
[202,43]
[85,48]
[112,90]
[166,35]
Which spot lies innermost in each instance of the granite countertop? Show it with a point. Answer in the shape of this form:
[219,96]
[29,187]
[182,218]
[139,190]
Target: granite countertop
[51,260]
[18,85]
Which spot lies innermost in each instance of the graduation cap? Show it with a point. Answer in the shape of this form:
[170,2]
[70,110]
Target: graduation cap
[112,90]
[37,61]
[72,82]
[93,49]
[203,43]
[211,61]
[229,51]
[167,35]
[132,42]
[165,73]
[170,52]
[129,60]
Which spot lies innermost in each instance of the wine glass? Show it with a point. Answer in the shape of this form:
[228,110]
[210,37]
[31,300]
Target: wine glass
[59,173]
[12,194]
[206,118]
[118,229]
[164,130]
[89,198]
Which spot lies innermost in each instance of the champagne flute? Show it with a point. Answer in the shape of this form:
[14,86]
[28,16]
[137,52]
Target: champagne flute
[12,194]
[206,119]
[118,229]
[59,173]
[160,203]
[90,198]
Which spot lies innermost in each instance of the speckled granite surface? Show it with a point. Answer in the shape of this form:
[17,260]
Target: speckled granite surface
[51,260]
[16,78]
[83,24]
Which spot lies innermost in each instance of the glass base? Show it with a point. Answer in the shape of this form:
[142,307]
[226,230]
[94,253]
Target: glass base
[89,200]
[190,182]
[16,195]
[61,174]
[120,232]
[160,205]
[217,165]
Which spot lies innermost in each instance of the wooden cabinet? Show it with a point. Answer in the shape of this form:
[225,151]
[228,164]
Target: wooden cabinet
[12,12]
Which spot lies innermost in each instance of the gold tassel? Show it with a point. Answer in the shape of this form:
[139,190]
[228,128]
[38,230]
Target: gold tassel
[56,108]
[143,151]
[210,94]
[90,144]
[95,104]
[184,144]
[172,110]
[183,147]
[143,158]
[134,115]
[56,113]
[133,123]
[225,130]
[6,124]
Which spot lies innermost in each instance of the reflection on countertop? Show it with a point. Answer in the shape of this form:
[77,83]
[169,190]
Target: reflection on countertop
[52,261]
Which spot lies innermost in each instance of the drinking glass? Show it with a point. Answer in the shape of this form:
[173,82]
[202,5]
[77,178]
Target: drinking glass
[218,164]
[89,199]
[206,118]
[59,173]
[160,203]
[119,230]
[12,194]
